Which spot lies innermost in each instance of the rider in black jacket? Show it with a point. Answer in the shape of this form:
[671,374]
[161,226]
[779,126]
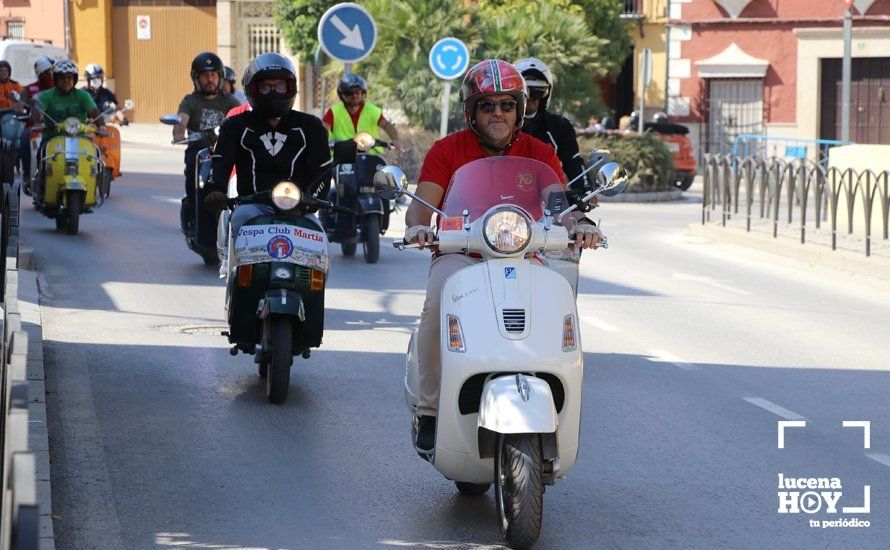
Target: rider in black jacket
[269,143]
[548,127]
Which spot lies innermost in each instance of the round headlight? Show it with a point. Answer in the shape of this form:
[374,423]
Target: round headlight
[286,195]
[364,140]
[507,231]
[71,126]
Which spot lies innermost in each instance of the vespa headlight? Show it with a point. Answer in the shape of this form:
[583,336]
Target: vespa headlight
[71,126]
[365,141]
[507,231]
[286,195]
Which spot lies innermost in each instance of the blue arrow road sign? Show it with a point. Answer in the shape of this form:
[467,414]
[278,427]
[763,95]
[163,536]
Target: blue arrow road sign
[449,58]
[347,32]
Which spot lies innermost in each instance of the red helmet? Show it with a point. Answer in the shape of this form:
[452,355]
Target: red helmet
[491,77]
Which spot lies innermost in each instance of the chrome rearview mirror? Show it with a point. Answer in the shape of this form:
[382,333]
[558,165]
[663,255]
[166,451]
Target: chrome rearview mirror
[390,182]
[128,105]
[612,179]
[170,120]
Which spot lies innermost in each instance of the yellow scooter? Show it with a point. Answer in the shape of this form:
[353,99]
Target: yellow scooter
[69,173]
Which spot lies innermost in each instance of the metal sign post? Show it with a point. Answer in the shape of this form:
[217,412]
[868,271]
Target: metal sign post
[845,73]
[446,103]
[449,59]
[645,80]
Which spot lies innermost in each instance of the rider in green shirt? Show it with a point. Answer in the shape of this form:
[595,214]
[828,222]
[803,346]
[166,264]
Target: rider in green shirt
[64,101]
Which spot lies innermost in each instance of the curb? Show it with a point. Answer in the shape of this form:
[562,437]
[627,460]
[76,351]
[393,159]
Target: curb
[817,254]
[652,196]
[26,258]
[38,432]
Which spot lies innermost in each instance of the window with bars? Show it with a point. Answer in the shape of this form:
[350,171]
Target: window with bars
[262,38]
[15,30]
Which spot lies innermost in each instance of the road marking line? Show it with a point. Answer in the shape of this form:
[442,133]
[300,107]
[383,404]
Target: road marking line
[162,198]
[877,457]
[600,324]
[661,356]
[708,281]
[781,412]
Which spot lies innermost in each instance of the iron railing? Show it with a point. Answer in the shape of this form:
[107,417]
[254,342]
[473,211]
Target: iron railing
[767,190]
[632,8]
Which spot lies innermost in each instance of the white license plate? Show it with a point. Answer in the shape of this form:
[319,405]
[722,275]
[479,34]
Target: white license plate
[673,147]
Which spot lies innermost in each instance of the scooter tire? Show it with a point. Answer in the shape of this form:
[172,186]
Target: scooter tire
[109,175]
[61,221]
[73,204]
[281,358]
[472,489]
[210,258]
[371,239]
[519,488]
[348,249]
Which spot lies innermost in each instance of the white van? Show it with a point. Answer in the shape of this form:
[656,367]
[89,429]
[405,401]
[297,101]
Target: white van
[21,55]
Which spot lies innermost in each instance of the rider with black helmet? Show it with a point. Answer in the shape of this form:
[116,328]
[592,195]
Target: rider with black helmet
[551,128]
[203,109]
[230,88]
[268,143]
[94,75]
[345,120]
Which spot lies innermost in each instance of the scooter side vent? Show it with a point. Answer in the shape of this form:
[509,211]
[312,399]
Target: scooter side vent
[514,320]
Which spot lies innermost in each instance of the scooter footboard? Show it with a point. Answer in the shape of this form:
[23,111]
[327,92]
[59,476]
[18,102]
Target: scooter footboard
[517,404]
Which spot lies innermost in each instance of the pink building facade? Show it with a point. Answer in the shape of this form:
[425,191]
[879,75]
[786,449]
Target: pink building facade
[772,67]
[38,20]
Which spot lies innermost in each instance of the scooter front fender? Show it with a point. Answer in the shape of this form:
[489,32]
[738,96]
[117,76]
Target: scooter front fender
[369,204]
[517,403]
[281,302]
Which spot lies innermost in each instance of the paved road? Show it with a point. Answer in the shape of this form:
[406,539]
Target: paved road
[693,353]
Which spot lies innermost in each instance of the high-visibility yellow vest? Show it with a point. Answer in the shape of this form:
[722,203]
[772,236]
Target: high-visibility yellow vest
[367,122]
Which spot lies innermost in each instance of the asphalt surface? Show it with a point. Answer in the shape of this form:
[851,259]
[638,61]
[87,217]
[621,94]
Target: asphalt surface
[693,353]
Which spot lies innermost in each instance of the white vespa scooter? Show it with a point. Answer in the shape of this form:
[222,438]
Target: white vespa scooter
[512,365]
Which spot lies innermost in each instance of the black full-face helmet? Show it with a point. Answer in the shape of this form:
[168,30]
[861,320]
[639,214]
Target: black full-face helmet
[206,62]
[230,77]
[274,103]
[350,82]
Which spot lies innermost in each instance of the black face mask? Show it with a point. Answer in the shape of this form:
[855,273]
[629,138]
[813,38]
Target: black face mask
[273,104]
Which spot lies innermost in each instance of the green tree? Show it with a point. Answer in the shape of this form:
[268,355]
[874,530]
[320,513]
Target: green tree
[398,71]
[298,22]
[557,34]
[603,18]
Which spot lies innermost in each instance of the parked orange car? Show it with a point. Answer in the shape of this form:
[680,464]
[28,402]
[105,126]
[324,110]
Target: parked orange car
[675,137]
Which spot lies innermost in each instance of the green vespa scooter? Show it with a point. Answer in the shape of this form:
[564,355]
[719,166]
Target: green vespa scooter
[277,272]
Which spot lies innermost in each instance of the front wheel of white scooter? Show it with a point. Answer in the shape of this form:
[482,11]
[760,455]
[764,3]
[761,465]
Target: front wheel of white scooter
[519,488]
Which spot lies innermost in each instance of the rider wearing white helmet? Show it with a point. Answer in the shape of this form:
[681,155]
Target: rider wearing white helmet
[551,128]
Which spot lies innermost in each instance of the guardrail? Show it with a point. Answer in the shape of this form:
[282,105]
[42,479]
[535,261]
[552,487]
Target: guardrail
[745,145]
[789,189]
[20,517]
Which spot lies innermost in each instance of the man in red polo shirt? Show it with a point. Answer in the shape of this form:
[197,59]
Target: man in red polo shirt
[494,96]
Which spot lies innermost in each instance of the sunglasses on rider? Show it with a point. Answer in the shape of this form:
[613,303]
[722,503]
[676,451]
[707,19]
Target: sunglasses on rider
[488,107]
[537,94]
[264,88]
[355,92]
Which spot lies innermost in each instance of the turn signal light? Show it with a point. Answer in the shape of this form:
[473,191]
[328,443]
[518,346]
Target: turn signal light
[455,335]
[245,274]
[316,280]
[569,343]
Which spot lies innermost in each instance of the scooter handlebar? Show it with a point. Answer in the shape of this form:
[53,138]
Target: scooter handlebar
[402,245]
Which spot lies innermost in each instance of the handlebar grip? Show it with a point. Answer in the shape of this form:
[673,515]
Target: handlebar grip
[343,210]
